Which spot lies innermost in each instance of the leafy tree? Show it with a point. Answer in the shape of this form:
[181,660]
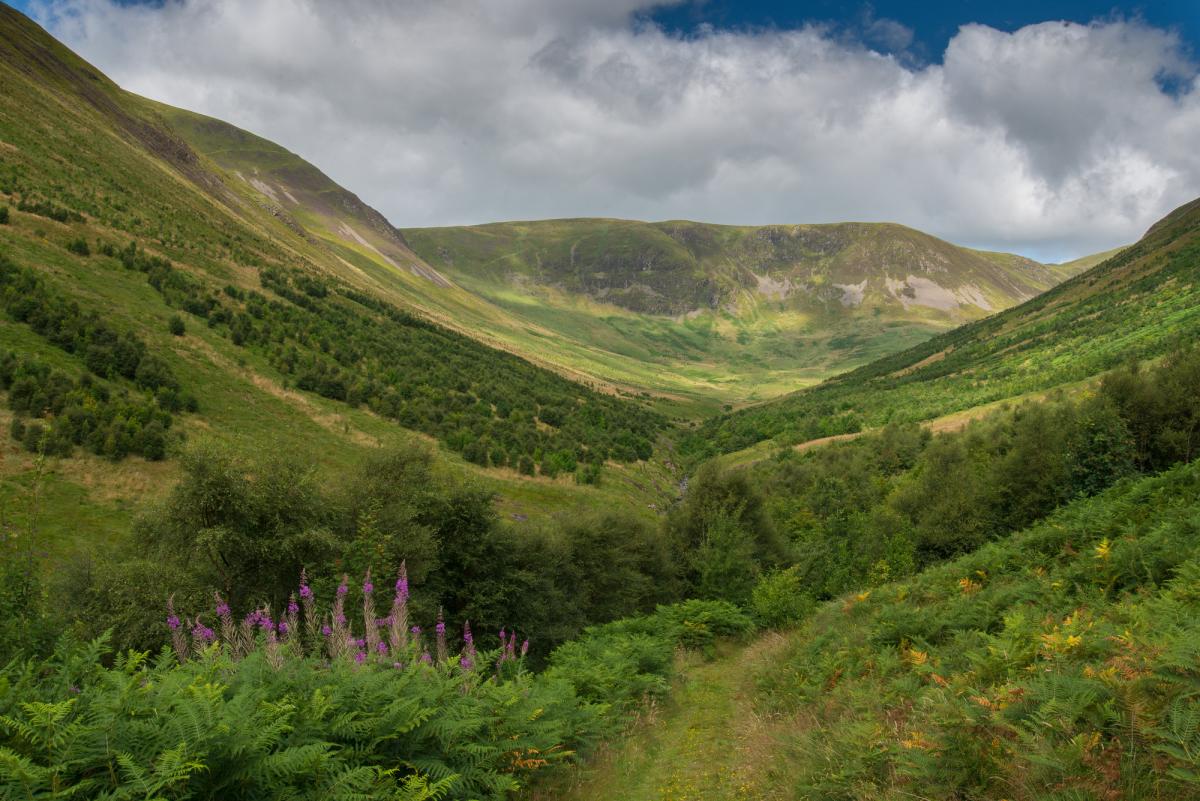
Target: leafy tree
[720,532]
[237,531]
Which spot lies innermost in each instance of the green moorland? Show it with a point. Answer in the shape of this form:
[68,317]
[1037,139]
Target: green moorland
[1135,305]
[697,315]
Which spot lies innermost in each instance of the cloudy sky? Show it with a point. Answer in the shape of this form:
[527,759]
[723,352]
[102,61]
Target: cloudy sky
[1051,129]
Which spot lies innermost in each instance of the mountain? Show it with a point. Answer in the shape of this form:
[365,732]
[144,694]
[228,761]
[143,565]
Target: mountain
[730,313]
[681,268]
[696,314]
[1137,304]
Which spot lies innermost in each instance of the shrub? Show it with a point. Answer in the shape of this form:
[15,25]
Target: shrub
[175,325]
[79,247]
[779,599]
[4,215]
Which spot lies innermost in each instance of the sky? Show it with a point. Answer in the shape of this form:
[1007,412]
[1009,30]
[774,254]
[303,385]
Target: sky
[1052,129]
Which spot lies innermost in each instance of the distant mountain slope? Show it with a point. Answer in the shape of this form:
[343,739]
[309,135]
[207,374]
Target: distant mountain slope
[295,190]
[1135,305]
[681,267]
[733,313]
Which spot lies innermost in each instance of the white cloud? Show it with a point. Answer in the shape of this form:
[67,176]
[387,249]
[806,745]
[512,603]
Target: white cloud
[1052,140]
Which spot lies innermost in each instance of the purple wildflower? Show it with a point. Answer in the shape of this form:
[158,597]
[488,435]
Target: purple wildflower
[524,648]
[416,631]
[442,651]
[467,660]
[202,632]
[402,583]
[173,621]
[326,630]
[293,607]
[381,647]
[283,627]
[426,658]
[360,657]
[222,607]
[343,588]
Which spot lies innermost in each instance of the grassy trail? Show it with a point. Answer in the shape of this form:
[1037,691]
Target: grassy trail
[708,744]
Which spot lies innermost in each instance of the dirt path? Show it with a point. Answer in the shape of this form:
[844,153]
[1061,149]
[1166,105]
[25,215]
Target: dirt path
[708,744]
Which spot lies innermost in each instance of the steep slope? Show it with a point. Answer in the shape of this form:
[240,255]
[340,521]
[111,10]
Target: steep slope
[1135,305]
[113,225]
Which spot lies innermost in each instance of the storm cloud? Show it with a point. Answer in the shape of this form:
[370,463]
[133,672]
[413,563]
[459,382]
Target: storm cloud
[1054,140]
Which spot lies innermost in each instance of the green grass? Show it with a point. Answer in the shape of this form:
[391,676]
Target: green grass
[705,743]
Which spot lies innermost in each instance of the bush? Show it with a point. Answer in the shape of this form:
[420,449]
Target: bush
[79,247]
[779,599]
[3,215]
[175,325]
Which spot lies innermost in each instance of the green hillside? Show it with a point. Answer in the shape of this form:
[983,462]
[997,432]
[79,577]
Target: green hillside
[1136,304]
[729,312]
[280,344]
[1059,663]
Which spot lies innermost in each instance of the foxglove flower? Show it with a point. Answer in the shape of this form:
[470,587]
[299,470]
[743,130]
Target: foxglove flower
[442,651]
[309,602]
[466,660]
[178,639]
[369,625]
[398,619]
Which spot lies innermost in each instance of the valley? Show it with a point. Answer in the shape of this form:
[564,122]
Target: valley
[296,503]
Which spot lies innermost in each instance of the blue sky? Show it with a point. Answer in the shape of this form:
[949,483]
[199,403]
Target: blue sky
[932,22]
[1052,128]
